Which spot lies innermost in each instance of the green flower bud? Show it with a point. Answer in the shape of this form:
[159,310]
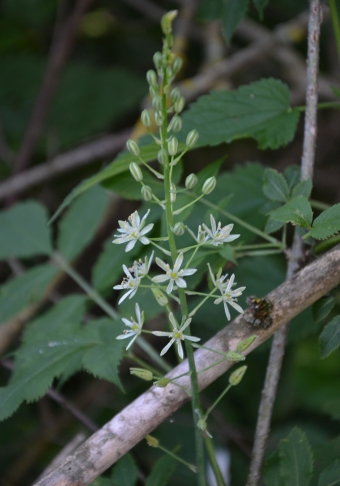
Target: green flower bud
[160,297]
[232,356]
[136,171]
[162,382]
[173,146]
[175,95]
[159,118]
[192,138]
[243,345]
[209,185]
[152,441]
[141,373]
[146,193]
[202,424]
[177,64]
[179,105]
[158,60]
[191,181]
[178,229]
[162,157]
[175,124]
[146,118]
[169,72]
[172,192]
[157,103]
[167,20]
[153,91]
[151,77]
[237,375]
[133,147]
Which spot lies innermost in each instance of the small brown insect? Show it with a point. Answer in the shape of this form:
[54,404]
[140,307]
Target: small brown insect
[258,313]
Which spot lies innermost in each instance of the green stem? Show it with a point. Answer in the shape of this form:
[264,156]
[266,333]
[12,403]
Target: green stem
[193,312]
[257,253]
[179,459]
[319,205]
[178,211]
[322,106]
[212,459]
[335,22]
[216,402]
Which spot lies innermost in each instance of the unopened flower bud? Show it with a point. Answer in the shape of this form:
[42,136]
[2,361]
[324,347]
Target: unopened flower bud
[152,441]
[209,185]
[136,171]
[172,192]
[158,60]
[146,118]
[157,103]
[142,373]
[177,64]
[162,382]
[167,20]
[202,424]
[191,181]
[146,193]
[169,72]
[243,345]
[179,105]
[233,356]
[237,375]
[178,229]
[175,95]
[173,146]
[159,118]
[175,124]
[151,77]
[192,138]
[133,147]
[162,157]
[153,91]
[160,297]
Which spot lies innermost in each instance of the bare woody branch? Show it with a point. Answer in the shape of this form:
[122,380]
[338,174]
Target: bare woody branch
[149,410]
[297,250]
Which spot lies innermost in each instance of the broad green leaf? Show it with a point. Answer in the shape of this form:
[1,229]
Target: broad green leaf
[331,475]
[292,175]
[228,253]
[233,11]
[271,471]
[24,231]
[275,186]
[125,472]
[330,337]
[303,188]
[322,307]
[296,211]
[272,226]
[296,459]
[161,472]
[25,290]
[126,186]
[327,224]
[81,221]
[260,110]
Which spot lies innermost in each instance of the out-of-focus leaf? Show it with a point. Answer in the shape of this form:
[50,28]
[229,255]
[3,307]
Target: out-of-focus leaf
[330,337]
[79,224]
[24,290]
[296,211]
[24,231]
[209,10]
[233,11]
[275,186]
[260,5]
[331,475]
[36,13]
[332,408]
[322,307]
[303,188]
[296,459]
[271,471]
[125,472]
[272,226]
[161,472]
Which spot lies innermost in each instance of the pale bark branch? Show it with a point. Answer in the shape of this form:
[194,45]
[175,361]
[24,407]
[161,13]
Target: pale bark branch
[149,410]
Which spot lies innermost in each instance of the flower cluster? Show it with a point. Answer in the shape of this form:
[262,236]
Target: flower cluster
[133,277]
[133,230]
[228,295]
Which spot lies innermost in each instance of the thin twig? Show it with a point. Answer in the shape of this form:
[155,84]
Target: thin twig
[85,154]
[296,256]
[59,53]
[143,415]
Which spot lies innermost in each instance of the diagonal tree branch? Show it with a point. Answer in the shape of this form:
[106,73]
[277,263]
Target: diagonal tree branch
[297,250]
[150,409]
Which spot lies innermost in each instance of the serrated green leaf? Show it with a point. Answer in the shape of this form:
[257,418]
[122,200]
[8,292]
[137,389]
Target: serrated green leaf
[330,337]
[272,226]
[125,472]
[260,110]
[322,307]
[331,475]
[25,290]
[326,224]
[292,175]
[126,186]
[79,224]
[24,231]
[296,211]
[271,471]
[161,472]
[303,188]
[275,186]
[233,11]
[296,459]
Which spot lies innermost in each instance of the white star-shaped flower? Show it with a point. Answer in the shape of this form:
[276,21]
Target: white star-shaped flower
[219,235]
[229,296]
[129,283]
[176,335]
[135,327]
[133,230]
[175,275]
[201,235]
[143,268]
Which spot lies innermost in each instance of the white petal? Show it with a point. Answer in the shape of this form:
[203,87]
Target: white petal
[227,313]
[123,336]
[119,241]
[188,271]
[230,238]
[138,314]
[166,348]
[180,282]
[124,296]
[132,341]
[147,229]
[130,245]
[218,301]
[127,322]
[170,287]
[178,262]
[237,307]
[192,338]
[144,240]
[180,349]
[186,324]
[161,333]
[118,287]
[212,275]
[173,321]
[162,264]
[160,278]
[213,223]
